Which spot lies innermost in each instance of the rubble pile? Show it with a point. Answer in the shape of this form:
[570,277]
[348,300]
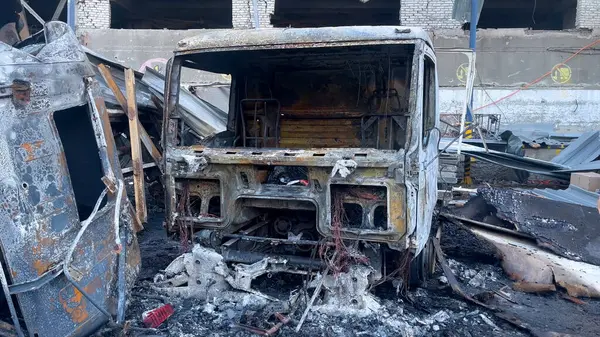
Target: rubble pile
[433,310]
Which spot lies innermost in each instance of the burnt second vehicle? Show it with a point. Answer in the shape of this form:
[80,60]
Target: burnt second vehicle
[329,156]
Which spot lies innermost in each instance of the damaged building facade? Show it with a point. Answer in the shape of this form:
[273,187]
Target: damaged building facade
[518,42]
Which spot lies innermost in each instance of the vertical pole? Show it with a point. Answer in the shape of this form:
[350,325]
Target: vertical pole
[472,45]
[469,118]
[71,14]
[255,11]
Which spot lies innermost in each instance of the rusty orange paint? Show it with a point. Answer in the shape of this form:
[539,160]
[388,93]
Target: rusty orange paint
[42,242]
[30,148]
[75,306]
[41,266]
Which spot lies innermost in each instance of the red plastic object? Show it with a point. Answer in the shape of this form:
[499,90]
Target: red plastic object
[154,318]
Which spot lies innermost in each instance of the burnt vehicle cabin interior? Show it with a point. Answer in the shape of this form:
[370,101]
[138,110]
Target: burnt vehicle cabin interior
[351,99]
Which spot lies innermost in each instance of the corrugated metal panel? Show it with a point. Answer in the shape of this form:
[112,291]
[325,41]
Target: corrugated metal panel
[585,149]
[461,10]
[204,118]
[572,195]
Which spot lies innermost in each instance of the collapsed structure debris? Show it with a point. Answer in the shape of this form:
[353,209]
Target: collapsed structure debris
[542,242]
[69,247]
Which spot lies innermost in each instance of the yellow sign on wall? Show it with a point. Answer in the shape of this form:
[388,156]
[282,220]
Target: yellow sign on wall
[561,73]
[462,72]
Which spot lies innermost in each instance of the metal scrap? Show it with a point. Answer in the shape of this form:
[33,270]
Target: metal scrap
[68,245]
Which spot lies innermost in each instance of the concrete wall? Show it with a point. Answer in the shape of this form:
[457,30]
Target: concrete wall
[92,14]
[243,13]
[507,59]
[568,96]
[570,111]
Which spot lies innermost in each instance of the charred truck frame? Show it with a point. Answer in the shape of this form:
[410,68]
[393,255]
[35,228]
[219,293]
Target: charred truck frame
[68,250]
[330,152]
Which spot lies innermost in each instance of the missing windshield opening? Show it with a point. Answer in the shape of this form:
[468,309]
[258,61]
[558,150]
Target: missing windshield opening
[81,152]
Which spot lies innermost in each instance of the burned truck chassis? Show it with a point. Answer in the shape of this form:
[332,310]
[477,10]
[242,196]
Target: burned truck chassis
[318,167]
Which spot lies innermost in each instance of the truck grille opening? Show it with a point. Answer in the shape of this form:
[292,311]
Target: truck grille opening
[359,207]
[199,198]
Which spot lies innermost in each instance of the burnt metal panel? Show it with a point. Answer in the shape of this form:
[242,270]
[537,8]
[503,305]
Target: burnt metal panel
[278,38]
[567,229]
[38,207]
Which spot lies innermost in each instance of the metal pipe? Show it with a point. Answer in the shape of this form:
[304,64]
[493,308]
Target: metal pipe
[32,12]
[255,9]
[58,10]
[71,14]
[472,44]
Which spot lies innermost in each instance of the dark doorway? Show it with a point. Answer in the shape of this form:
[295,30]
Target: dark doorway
[533,14]
[174,14]
[320,13]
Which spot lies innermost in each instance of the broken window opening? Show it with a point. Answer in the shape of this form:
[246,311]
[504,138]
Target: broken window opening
[318,13]
[537,15]
[176,14]
[338,97]
[78,140]
[429,98]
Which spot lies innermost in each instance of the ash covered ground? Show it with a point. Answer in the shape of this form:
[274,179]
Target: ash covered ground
[433,310]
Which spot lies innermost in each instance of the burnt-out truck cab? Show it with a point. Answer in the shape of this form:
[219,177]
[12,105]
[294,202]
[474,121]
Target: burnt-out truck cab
[329,152]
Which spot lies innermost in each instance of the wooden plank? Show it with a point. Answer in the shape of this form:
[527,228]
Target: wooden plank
[143,134]
[136,148]
[110,82]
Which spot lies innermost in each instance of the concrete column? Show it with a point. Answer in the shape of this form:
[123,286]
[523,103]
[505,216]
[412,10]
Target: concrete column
[243,13]
[428,14]
[92,14]
[588,14]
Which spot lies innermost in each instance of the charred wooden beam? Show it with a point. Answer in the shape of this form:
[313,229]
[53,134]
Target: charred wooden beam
[136,147]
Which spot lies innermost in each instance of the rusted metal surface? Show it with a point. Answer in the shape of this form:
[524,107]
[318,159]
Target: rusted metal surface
[39,207]
[324,146]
